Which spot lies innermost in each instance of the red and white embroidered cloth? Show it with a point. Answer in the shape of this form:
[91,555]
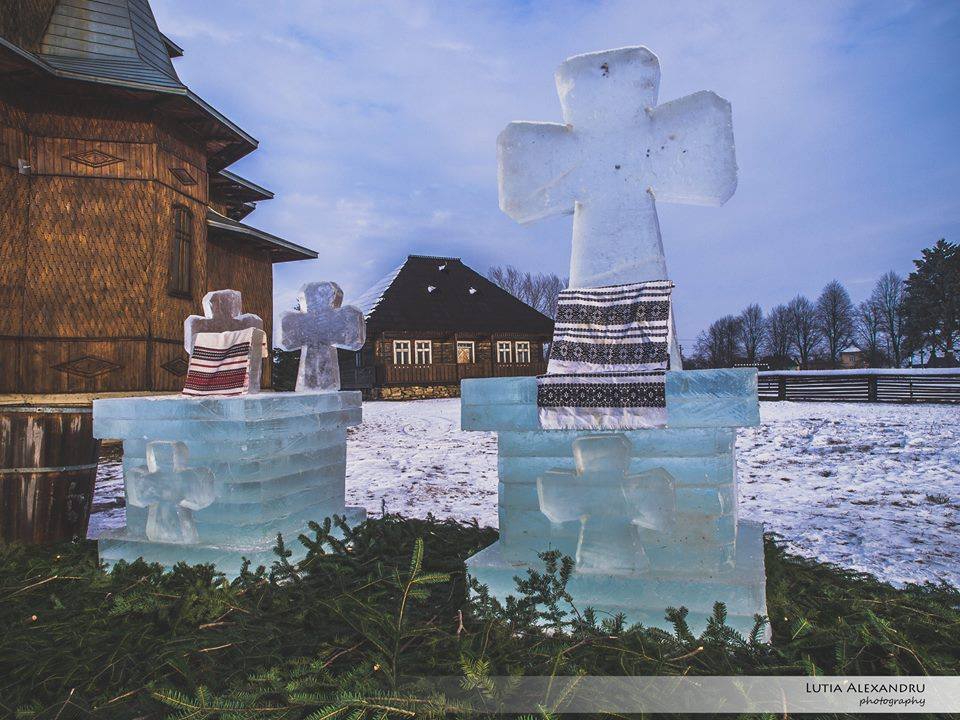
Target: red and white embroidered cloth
[222,363]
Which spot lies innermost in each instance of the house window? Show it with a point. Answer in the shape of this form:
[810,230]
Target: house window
[424,351]
[503,351]
[466,352]
[523,352]
[181,252]
[401,352]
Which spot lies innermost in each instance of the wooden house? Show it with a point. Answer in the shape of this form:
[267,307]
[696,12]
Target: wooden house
[118,213]
[853,357]
[433,322]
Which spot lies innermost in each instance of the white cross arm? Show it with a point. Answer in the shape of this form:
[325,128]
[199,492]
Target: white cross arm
[537,166]
[349,329]
[695,162]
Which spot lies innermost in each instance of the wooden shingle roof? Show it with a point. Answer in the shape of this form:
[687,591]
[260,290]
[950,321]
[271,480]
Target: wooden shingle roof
[116,45]
[114,30]
[442,294]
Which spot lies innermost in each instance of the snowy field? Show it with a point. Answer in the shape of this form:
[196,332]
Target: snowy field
[870,487]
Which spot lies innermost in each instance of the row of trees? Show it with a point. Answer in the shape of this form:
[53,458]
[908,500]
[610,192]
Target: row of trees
[917,317]
[539,291]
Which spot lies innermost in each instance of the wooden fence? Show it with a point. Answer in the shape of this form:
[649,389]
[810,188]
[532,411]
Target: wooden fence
[894,386]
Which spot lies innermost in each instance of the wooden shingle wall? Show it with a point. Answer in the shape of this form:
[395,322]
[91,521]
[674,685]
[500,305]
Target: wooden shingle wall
[85,239]
[235,267]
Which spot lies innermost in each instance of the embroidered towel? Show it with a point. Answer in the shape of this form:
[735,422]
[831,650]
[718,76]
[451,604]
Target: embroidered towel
[224,363]
[602,401]
[619,328]
[608,361]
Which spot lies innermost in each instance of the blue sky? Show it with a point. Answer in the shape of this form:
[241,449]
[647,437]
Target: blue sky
[378,121]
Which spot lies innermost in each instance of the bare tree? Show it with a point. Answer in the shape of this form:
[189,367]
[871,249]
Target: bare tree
[552,285]
[717,345]
[507,277]
[539,291]
[751,332]
[835,320]
[804,337]
[888,296]
[777,335]
[868,334]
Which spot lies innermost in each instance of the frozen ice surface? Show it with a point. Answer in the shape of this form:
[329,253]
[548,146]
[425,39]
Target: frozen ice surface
[222,312]
[171,491]
[272,462]
[317,329]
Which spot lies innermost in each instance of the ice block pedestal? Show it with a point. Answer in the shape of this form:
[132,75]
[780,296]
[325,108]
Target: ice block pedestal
[693,554]
[214,479]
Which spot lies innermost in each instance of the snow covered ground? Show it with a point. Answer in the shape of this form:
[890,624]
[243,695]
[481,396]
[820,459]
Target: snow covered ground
[870,487]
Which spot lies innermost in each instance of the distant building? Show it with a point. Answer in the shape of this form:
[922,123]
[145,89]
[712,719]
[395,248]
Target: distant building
[118,214]
[853,357]
[433,322]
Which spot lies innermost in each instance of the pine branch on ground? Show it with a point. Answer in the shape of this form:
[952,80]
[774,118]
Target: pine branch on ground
[345,632]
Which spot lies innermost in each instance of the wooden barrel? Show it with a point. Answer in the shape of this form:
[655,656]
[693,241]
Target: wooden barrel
[48,469]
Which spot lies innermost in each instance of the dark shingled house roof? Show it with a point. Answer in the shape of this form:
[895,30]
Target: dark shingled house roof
[461,300]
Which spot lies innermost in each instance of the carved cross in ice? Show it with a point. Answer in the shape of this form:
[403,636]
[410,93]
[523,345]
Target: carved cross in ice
[317,329]
[617,511]
[223,312]
[616,154]
[171,490]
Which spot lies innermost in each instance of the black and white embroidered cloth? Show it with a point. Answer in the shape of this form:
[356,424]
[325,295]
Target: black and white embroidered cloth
[610,353]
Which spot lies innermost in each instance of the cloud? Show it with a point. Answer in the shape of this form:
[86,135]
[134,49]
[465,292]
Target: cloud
[378,122]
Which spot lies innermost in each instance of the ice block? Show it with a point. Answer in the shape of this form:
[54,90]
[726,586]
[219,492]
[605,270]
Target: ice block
[271,463]
[650,515]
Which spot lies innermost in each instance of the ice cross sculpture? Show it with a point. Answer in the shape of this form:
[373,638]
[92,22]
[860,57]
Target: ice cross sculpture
[171,490]
[317,329]
[223,312]
[617,511]
[614,156]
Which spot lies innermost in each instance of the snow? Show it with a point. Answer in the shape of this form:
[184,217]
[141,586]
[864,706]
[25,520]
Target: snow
[370,299]
[870,487]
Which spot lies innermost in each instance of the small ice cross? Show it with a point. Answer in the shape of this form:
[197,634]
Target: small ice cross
[616,510]
[171,491]
[317,329]
[223,312]
[616,154]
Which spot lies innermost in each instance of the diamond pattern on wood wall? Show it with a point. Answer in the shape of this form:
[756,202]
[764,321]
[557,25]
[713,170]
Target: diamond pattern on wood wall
[177,366]
[94,158]
[183,175]
[88,366]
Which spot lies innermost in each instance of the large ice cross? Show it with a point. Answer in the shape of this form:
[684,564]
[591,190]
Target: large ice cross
[172,492]
[618,511]
[614,156]
[317,329]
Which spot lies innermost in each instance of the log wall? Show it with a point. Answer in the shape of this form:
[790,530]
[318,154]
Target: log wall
[425,380]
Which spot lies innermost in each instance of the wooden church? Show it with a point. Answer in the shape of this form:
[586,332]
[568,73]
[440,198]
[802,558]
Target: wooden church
[434,321]
[117,212]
